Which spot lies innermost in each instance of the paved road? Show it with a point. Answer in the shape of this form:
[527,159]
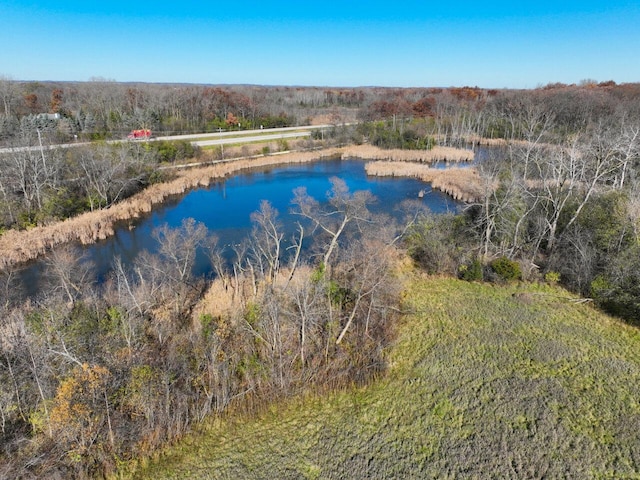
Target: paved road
[45,147]
[208,139]
[250,139]
[243,133]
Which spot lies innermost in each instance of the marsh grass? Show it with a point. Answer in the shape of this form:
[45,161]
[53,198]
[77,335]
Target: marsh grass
[480,384]
[17,246]
[436,154]
[461,183]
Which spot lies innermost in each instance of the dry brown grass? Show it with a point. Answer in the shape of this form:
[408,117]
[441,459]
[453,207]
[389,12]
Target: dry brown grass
[24,245]
[255,149]
[461,183]
[436,154]
[489,142]
[218,301]
[223,298]
[20,246]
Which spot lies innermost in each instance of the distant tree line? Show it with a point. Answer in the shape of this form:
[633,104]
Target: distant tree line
[102,109]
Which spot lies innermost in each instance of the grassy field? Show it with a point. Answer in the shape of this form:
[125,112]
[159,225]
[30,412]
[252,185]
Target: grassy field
[484,382]
[240,134]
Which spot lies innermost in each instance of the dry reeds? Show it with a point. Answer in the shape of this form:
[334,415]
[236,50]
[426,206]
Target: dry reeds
[17,246]
[436,154]
[461,183]
[489,142]
[21,246]
[225,297]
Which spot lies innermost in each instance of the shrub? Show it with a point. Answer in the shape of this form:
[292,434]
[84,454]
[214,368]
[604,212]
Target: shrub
[552,277]
[168,152]
[276,121]
[283,145]
[64,203]
[617,290]
[506,269]
[471,272]
[436,243]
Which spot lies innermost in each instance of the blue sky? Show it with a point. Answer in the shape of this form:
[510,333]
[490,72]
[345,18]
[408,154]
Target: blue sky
[324,43]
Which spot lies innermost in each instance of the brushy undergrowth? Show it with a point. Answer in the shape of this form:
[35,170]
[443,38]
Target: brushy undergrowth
[484,381]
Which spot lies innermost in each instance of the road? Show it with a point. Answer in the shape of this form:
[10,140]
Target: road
[242,133]
[250,139]
[207,139]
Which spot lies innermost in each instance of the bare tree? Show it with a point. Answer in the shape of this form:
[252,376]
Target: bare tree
[106,175]
[629,145]
[129,305]
[34,174]
[371,260]
[574,172]
[167,279]
[307,300]
[267,240]
[179,247]
[342,209]
[69,272]
[8,94]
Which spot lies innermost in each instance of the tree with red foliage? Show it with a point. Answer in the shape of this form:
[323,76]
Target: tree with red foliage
[425,107]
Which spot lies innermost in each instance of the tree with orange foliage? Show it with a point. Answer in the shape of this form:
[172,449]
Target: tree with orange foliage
[56,100]
[232,120]
[31,102]
[466,93]
[81,408]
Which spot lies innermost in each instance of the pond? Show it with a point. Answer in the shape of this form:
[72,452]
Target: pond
[225,208]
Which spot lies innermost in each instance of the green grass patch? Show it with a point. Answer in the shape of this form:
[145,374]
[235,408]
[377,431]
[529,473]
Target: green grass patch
[491,381]
[242,134]
[238,144]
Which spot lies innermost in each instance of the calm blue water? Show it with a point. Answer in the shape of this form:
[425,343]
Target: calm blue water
[225,208]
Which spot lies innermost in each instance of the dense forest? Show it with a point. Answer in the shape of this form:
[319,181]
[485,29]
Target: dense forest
[92,375]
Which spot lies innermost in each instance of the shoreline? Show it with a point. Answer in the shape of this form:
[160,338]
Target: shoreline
[436,154]
[462,184]
[21,246]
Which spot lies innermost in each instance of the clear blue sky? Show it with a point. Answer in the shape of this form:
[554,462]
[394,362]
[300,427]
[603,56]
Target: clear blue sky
[326,43]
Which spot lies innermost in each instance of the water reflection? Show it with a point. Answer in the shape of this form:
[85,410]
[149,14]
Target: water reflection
[225,208]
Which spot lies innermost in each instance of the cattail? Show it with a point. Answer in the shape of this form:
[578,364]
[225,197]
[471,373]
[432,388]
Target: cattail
[461,183]
[89,227]
[436,154]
